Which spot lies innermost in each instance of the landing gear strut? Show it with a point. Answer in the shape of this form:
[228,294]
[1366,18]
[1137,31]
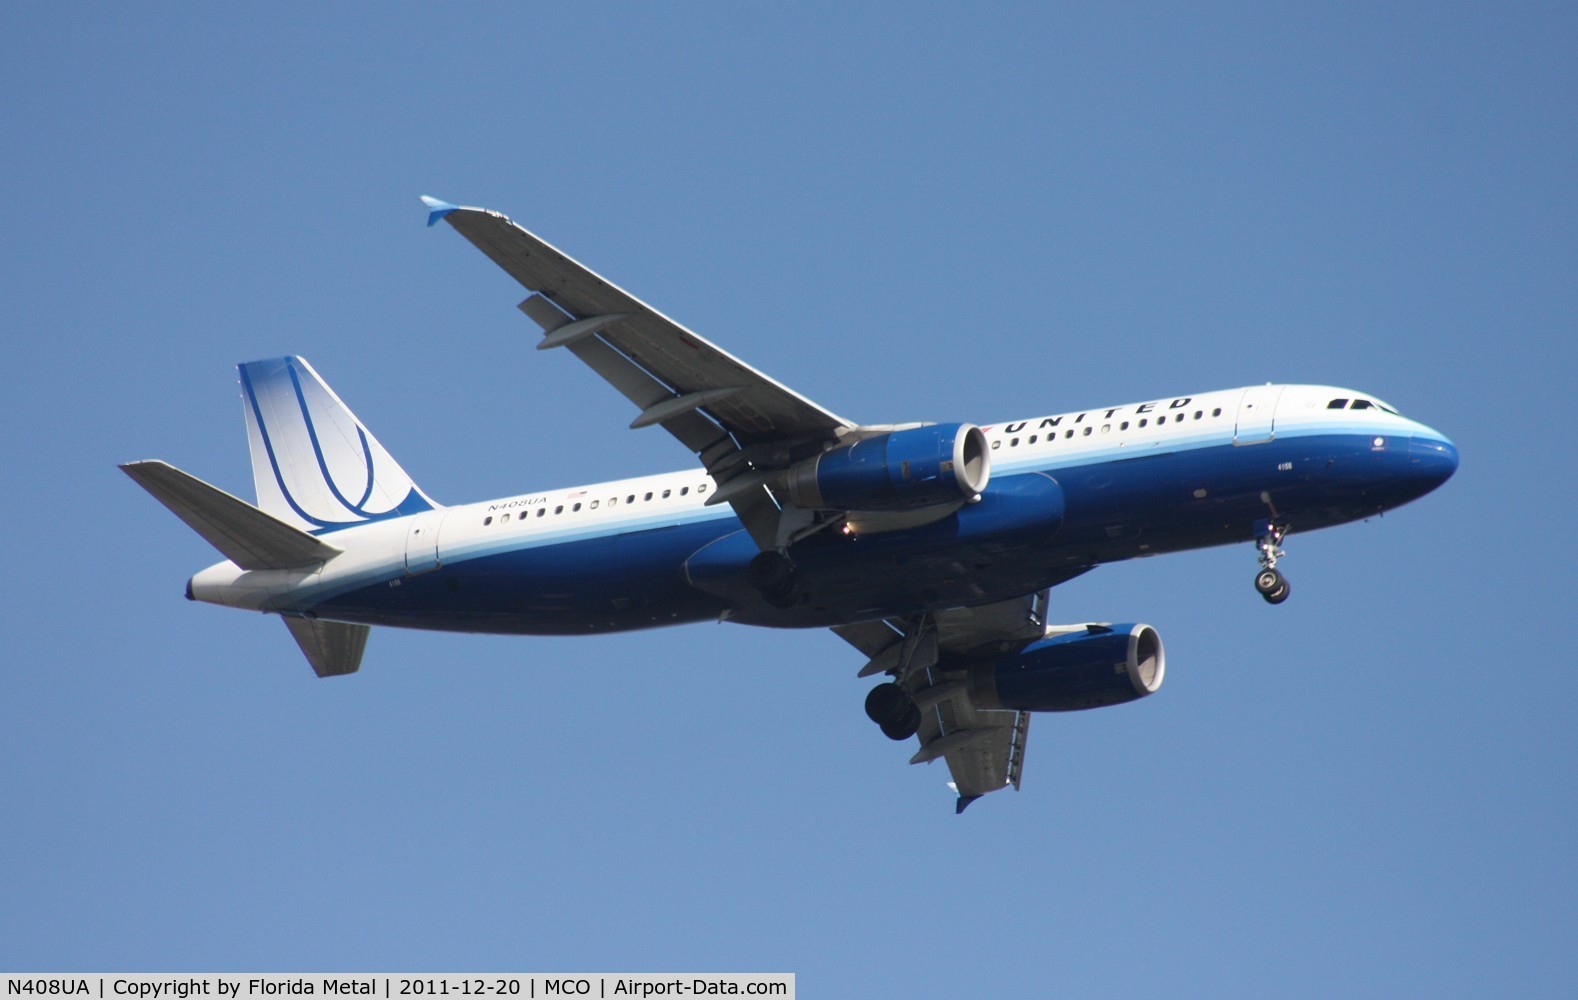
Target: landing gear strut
[1273,586]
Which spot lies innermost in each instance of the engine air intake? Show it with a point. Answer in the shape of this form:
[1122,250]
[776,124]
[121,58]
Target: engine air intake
[1096,666]
[901,470]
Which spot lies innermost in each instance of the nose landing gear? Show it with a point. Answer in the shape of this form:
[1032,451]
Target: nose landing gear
[1273,586]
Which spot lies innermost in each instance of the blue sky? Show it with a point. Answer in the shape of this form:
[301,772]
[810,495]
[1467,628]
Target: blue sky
[916,211]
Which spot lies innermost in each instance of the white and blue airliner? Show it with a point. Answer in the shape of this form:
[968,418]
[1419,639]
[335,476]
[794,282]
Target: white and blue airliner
[931,548]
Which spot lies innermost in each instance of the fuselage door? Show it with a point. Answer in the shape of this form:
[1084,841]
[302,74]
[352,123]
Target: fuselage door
[421,542]
[1257,409]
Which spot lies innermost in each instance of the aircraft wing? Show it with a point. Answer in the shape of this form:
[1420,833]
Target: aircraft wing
[740,423]
[984,748]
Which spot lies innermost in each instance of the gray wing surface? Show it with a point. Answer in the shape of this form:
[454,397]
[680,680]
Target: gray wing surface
[247,536]
[738,421]
[984,748]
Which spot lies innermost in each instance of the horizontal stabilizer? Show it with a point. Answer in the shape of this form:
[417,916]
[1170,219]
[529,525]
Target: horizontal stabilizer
[243,534]
[333,648]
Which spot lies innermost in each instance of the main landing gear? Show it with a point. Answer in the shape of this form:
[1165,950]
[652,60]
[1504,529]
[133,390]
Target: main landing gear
[1273,586]
[773,573]
[893,710]
[890,704]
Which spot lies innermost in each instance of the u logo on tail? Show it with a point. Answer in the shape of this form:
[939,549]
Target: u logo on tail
[315,465]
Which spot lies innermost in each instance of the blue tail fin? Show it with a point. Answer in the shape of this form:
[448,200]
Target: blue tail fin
[314,463]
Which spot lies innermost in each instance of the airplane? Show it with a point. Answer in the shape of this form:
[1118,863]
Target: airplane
[931,548]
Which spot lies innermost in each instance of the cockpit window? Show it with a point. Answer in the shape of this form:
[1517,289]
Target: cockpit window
[1361,404]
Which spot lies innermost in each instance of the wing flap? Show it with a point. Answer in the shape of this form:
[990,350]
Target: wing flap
[984,748]
[656,400]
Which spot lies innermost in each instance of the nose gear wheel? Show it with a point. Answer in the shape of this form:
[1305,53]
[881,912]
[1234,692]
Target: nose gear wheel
[1273,586]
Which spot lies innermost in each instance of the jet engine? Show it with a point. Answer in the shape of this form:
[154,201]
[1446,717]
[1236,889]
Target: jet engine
[901,470]
[1090,666]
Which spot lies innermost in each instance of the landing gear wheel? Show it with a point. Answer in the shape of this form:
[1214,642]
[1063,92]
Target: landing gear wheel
[1273,586]
[892,709]
[885,702]
[773,574]
[903,728]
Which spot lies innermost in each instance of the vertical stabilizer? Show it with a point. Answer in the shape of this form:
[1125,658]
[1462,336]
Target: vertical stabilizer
[315,465]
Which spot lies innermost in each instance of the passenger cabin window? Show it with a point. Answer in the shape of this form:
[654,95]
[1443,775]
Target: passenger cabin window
[541,511]
[595,503]
[487,521]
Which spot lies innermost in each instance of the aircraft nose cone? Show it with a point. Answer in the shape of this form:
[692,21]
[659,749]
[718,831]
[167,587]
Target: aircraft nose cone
[1432,460]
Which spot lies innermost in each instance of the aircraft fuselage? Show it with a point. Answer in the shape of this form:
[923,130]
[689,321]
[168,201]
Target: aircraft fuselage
[1067,492]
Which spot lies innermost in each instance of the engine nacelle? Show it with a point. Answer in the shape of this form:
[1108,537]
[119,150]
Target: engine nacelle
[1096,666]
[901,470]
